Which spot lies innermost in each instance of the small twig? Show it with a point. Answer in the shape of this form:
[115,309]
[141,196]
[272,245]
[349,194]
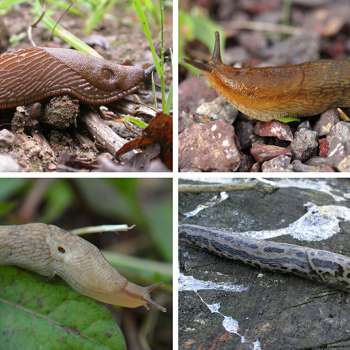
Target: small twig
[226,187]
[342,115]
[33,200]
[33,25]
[60,18]
[101,229]
[131,332]
[128,106]
[103,134]
[148,328]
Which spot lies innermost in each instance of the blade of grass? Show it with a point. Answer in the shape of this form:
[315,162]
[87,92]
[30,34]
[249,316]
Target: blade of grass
[62,33]
[146,30]
[158,61]
[169,101]
[162,78]
[138,122]
[97,14]
[154,92]
[7,4]
[65,6]
[141,269]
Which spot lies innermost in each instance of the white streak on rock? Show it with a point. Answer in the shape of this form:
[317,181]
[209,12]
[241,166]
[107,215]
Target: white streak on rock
[189,283]
[317,224]
[209,204]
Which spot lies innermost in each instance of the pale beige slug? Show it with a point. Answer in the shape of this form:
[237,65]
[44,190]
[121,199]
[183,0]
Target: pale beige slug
[49,251]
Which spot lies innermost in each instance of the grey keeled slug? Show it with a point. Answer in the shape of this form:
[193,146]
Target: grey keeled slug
[49,251]
[318,265]
[33,74]
[292,90]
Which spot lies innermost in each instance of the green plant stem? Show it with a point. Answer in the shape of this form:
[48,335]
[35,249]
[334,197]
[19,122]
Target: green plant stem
[62,33]
[162,77]
[141,269]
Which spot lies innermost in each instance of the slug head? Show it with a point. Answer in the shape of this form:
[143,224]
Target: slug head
[135,296]
[85,269]
[103,74]
[215,60]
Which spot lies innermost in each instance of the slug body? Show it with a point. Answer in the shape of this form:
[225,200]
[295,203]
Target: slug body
[318,265]
[269,93]
[49,251]
[33,74]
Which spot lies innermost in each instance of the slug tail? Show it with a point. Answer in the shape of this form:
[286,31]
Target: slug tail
[216,56]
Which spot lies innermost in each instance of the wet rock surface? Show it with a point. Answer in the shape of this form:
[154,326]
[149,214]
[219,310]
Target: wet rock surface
[281,311]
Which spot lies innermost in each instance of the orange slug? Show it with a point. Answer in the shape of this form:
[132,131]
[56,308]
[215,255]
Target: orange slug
[291,90]
[49,251]
[33,74]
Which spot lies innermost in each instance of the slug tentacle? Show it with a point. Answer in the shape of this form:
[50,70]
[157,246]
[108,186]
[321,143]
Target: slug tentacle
[49,250]
[216,56]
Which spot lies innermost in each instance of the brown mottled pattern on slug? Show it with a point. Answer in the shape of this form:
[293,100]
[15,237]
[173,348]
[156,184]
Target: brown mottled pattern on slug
[33,74]
[319,265]
[49,250]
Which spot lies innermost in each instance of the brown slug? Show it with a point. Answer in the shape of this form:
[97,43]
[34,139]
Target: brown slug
[49,251]
[33,74]
[292,90]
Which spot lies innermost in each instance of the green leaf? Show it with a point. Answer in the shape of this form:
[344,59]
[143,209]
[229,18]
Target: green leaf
[59,197]
[6,207]
[96,15]
[115,198]
[140,270]
[200,27]
[10,187]
[35,314]
[286,120]
[160,223]
[7,4]
[62,33]
[136,121]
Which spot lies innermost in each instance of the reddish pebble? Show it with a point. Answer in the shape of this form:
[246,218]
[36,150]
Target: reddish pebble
[262,153]
[274,129]
[324,147]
